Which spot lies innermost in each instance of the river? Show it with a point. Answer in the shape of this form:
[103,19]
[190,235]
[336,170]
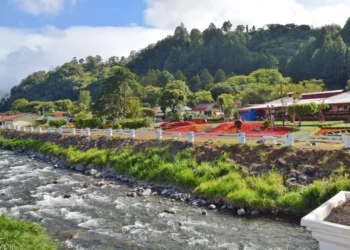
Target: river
[104,218]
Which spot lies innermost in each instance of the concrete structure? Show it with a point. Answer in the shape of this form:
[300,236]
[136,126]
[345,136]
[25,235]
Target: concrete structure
[23,120]
[337,100]
[331,236]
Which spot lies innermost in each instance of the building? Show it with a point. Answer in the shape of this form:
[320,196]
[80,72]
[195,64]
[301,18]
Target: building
[337,100]
[22,120]
[208,109]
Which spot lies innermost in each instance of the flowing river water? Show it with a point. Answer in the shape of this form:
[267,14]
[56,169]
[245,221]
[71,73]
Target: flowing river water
[104,218]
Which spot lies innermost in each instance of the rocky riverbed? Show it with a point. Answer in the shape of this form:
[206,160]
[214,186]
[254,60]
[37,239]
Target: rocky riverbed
[90,212]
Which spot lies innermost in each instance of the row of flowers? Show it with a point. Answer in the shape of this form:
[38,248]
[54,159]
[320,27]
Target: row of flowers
[180,124]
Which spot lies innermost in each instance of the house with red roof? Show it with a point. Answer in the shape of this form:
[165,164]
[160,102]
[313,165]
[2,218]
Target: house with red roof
[22,120]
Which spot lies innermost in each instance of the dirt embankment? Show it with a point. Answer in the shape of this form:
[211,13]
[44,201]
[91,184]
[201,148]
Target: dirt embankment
[293,161]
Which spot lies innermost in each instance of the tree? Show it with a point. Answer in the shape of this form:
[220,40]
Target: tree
[303,109]
[179,76]
[206,78]
[171,98]
[91,63]
[179,85]
[226,102]
[19,105]
[63,105]
[220,76]
[58,123]
[150,95]
[222,88]
[196,37]
[226,27]
[116,91]
[202,97]
[164,78]
[195,83]
[133,108]
[84,98]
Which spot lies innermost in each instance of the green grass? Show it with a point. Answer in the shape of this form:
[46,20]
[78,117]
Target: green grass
[23,235]
[310,123]
[216,179]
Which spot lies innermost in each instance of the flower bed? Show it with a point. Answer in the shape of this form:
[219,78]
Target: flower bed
[249,128]
[184,129]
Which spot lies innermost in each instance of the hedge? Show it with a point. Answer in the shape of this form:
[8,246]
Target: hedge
[136,123]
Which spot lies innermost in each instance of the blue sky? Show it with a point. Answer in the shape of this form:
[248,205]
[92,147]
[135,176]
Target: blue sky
[83,13]
[42,34]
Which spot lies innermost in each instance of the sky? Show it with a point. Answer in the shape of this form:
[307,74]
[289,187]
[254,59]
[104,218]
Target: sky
[42,34]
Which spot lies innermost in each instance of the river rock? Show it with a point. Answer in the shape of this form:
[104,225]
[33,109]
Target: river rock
[309,170]
[90,166]
[169,211]
[302,178]
[67,196]
[204,212]
[147,192]
[212,207]
[255,213]
[79,167]
[131,194]
[86,185]
[91,171]
[164,192]
[241,212]
[291,182]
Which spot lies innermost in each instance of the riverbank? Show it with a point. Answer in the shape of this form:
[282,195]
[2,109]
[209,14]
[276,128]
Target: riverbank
[23,235]
[257,180]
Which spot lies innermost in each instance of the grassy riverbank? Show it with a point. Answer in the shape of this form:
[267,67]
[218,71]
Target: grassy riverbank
[218,178]
[23,235]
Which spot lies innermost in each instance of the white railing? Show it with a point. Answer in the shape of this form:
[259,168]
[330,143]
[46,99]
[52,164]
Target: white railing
[241,138]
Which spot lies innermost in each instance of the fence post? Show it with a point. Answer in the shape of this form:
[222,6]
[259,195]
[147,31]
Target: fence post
[289,140]
[110,132]
[347,141]
[49,130]
[190,137]
[241,138]
[24,129]
[59,131]
[18,128]
[87,132]
[40,130]
[72,131]
[132,133]
[2,127]
[31,129]
[159,134]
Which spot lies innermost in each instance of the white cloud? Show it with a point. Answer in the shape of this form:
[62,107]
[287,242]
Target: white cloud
[199,13]
[37,7]
[23,52]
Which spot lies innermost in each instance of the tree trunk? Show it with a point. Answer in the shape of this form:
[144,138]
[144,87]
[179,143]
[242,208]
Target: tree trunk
[299,120]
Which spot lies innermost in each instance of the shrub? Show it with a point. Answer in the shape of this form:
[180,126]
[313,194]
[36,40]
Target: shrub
[293,200]
[266,124]
[148,112]
[58,123]
[136,123]
[88,123]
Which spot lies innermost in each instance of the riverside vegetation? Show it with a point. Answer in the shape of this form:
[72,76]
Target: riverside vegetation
[23,235]
[217,178]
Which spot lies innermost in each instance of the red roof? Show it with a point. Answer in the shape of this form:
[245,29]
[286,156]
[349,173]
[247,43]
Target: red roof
[9,117]
[323,94]
[57,114]
[205,107]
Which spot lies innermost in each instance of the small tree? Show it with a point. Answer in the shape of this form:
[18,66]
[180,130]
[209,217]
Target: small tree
[303,109]
[58,123]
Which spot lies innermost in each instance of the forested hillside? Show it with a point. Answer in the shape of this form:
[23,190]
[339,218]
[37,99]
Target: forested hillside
[218,60]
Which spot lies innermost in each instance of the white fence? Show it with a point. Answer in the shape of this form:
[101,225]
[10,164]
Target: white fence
[241,138]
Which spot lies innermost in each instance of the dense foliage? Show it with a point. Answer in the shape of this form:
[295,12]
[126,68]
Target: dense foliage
[253,65]
[58,123]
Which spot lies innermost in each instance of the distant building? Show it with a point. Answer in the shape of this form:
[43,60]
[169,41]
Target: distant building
[337,100]
[208,109]
[22,120]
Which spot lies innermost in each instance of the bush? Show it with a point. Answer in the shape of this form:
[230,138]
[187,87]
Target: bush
[88,123]
[136,123]
[148,112]
[266,124]
[58,123]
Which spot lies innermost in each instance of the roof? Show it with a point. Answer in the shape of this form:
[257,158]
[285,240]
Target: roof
[338,99]
[275,103]
[10,117]
[57,113]
[205,107]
